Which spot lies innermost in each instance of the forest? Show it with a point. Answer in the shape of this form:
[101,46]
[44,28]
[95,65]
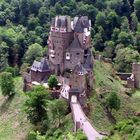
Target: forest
[24,26]
[115,32]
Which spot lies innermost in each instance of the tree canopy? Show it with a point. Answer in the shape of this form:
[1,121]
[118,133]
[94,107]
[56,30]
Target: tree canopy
[7,84]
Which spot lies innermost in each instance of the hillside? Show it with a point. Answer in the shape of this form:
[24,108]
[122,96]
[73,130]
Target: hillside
[13,119]
[105,82]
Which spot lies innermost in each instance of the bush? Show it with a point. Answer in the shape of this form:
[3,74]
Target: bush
[14,71]
[52,81]
[7,84]
[35,136]
[35,105]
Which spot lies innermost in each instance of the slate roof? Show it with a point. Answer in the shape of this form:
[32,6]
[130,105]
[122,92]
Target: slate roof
[88,63]
[80,23]
[79,69]
[41,66]
[59,22]
[84,21]
[75,90]
[75,43]
[62,21]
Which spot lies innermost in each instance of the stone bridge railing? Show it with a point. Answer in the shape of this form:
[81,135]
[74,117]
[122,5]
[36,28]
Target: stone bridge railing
[82,122]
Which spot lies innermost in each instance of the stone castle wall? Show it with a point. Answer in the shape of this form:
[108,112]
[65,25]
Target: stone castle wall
[136,72]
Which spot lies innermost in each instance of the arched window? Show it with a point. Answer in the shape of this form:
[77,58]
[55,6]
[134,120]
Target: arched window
[67,56]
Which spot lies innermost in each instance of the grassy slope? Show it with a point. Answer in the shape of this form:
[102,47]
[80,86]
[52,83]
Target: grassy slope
[13,122]
[107,81]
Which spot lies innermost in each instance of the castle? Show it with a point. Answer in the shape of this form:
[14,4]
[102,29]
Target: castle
[69,56]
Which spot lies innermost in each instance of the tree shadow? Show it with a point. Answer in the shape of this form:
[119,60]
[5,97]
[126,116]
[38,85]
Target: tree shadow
[110,116]
[6,104]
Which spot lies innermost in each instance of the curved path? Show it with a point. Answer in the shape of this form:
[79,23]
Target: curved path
[85,125]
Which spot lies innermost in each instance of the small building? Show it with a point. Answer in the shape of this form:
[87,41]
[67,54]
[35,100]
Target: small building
[40,70]
[38,73]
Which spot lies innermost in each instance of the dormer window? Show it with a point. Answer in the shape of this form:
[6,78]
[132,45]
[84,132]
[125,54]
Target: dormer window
[52,53]
[67,56]
[81,73]
[62,29]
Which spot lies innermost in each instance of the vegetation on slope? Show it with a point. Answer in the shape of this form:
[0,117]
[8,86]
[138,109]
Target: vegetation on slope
[13,119]
[106,82]
[15,124]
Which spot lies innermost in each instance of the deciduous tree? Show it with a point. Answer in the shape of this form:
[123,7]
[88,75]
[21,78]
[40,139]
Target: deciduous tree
[7,84]
[36,104]
[113,101]
[34,51]
[52,81]
[57,110]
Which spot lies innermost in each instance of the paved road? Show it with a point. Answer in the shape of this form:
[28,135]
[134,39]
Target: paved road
[90,132]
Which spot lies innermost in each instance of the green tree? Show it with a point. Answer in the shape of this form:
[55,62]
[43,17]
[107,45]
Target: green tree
[101,19]
[33,38]
[58,8]
[34,6]
[112,19]
[24,68]
[137,8]
[115,34]
[98,40]
[100,4]
[137,39]
[125,38]
[32,23]
[35,105]
[24,5]
[125,24]
[128,128]
[34,51]
[16,9]
[109,49]
[79,135]
[57,111]
[3,56]
[134,22]
[7,84]
[52,81]
[113,101]
[124,59]
[43,14]
[35,136]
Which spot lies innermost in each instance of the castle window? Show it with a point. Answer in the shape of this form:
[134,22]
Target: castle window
[67,56]
[52,53]
[77,53]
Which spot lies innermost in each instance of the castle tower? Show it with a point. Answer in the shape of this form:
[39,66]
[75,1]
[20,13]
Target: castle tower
[78,78]
[60,38]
